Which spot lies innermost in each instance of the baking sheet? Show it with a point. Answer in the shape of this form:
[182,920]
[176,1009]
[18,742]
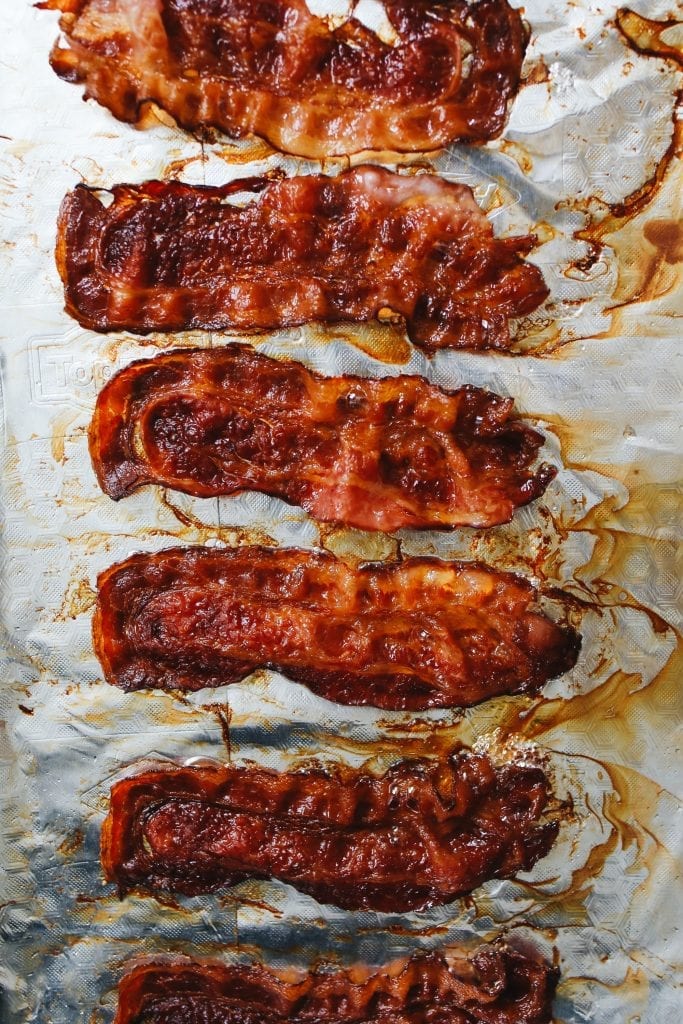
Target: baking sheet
[598,372]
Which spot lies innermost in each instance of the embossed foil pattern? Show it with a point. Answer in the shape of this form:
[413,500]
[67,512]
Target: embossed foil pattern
[586,163]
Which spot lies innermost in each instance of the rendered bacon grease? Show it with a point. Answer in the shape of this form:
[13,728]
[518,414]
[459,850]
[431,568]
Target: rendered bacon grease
[374,454]
[166,256]
[273,68]
[420,835]
[416,634]
[493,985]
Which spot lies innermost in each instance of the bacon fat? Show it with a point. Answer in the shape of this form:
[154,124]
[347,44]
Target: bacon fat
[166,256]
[373,454]
[492,985]
[417,634]
[272,68]
[420,835]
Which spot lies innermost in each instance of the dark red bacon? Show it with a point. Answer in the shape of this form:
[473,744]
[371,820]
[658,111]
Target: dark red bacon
[417,634]
[418,836]
[168,256]
[493,985]
[374,454]
[272,68]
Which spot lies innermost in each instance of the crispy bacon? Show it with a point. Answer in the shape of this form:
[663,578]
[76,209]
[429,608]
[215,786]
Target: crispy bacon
[272,68]
[417,634]
[168,256]
[374,454]
[493,985]
[420,835]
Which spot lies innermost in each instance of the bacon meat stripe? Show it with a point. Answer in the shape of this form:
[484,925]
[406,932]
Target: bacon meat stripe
[493,985]
[272,68]
[420,835]
[374,454]
[417,634]
[166,256]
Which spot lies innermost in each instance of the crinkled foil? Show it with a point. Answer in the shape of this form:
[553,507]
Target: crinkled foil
[587,163]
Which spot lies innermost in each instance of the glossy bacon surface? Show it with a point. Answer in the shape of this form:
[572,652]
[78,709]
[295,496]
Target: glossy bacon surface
[417,634]
[169,256]
[374,454]
[273,68]
[494,985]
[420,835]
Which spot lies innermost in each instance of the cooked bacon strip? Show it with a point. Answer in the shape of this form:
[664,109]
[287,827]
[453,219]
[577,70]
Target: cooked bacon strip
[418,634]
[168,256]
[420,835]
[272,68]
[493,985]
[374,454]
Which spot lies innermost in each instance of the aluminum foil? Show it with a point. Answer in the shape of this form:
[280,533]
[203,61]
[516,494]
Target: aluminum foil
[586,162]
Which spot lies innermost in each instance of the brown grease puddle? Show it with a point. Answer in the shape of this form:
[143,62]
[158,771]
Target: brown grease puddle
[356,546]
[621,555]
[384,341]
[650,271]
[648,249]
[537,73]
[71,844]
[234,536]
[78,599]
[61,431]
[645,35]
